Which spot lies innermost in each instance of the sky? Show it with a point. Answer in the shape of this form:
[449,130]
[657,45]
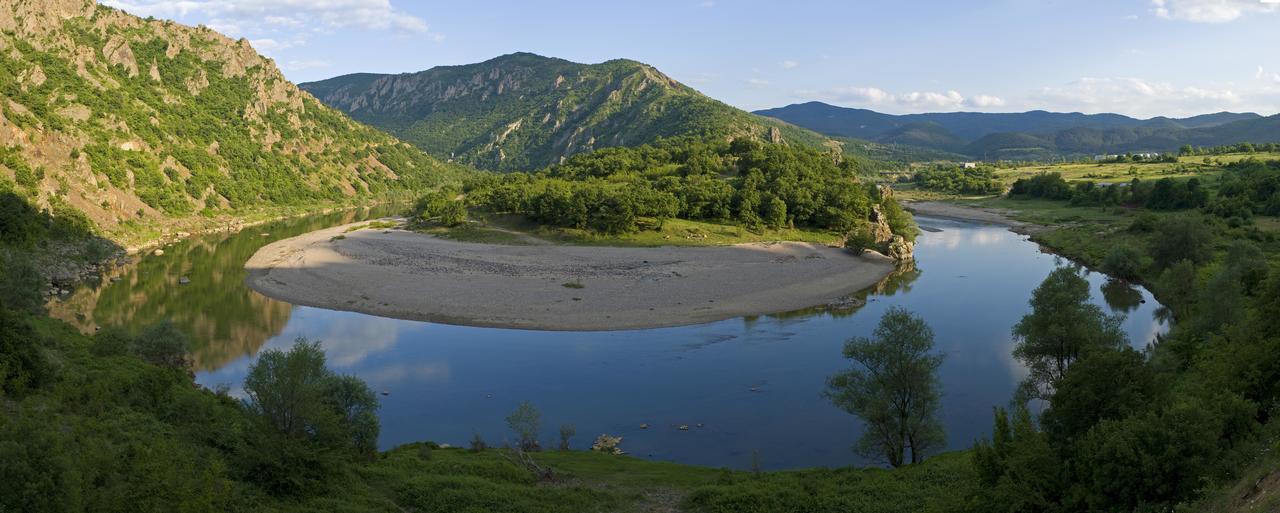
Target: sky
[1142,58]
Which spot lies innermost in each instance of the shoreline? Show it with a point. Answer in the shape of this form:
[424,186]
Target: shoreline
[414,276]
[959,212]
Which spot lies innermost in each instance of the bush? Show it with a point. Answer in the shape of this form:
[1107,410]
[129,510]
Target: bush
[1123,262]
[525,422]
[566,433]
[1181,238]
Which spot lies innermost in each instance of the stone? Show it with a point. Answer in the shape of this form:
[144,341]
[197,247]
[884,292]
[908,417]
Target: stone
[184,280]
[644,426]
[158,252]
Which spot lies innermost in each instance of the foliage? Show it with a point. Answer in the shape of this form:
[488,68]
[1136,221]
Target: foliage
[1124,262]
[313,418]
[959,180]
[1181,238]
[566,433]
[623,190]
[1061,328]
[526,423]
[895,389]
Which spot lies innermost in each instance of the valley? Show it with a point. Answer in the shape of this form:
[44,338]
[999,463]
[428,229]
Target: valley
[284,256]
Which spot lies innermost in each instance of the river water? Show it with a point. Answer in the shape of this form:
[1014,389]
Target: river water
[740,385]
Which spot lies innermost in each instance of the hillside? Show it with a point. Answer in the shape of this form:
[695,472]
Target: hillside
[1030,135]
[525,111]
[140,124]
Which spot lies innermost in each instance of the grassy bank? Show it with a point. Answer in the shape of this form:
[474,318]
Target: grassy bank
[134,434]
[507,229]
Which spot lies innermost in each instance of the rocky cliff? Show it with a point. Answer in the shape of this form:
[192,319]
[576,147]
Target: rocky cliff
[133,122]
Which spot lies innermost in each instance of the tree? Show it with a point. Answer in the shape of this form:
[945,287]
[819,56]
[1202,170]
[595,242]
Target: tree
[1123,262]
[566,433]
[1061,328]
[164,345]
[526,422]
[1181,238]
[309,420]
[894,389]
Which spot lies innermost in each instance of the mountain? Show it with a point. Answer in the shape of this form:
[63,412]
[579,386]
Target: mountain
[525,111]
[1034,134]
[135,121]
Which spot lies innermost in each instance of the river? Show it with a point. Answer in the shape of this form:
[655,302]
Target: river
[740,386]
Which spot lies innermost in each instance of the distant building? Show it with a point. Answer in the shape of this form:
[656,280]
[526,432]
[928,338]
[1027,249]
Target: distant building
[970,165]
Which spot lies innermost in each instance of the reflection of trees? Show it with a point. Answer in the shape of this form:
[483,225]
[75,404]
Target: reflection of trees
[899,280]
[224,318]
[1121,296]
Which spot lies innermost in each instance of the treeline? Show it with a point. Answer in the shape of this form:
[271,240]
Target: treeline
[1246,188]
[1163,194]
[1189,150]
[958,180]
[619,190]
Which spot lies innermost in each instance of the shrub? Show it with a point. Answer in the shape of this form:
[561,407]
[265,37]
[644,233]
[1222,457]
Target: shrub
[526,422]
[1123,262]
[566,432]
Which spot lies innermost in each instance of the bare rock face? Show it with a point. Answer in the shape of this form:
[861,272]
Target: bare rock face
[775,135]
[118,52]
[895,246]
[900,249]
[880,229]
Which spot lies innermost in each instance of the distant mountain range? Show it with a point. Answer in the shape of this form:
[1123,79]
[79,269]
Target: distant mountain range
[1030,135]
[525,111]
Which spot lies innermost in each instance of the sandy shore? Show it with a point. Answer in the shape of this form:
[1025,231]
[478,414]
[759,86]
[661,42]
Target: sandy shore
[967,213]
[415,276]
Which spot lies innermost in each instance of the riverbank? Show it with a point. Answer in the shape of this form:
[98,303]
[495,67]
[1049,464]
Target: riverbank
[406,275]
[971,213]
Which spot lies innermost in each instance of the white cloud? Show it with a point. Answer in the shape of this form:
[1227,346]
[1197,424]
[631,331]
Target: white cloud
[912,101]
[1212,11]
[986,101]
[790,64]
[1135,96]
[240,17]
[757,82]
[931,100]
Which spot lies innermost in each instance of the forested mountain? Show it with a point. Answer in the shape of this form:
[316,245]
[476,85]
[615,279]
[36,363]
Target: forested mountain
[1030,135]
[524,111]
[125,119]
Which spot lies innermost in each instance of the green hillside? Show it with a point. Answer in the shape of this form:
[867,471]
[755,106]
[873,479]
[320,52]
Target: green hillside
[524,111]
[142,124]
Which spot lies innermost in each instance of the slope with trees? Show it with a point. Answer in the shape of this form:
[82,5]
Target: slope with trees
[524,111]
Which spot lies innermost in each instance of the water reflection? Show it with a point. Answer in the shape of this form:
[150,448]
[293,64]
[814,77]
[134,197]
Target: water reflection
[751,383]
[199,285]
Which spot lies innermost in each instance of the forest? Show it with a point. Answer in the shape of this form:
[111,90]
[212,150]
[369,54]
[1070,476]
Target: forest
[744,182]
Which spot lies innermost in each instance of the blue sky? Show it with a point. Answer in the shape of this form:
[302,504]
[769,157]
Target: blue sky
[1136,57]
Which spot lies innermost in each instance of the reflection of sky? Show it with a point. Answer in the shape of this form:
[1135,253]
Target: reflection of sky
[446,382]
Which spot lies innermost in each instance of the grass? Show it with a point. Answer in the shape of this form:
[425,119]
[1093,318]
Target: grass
[507,229]
[411,478]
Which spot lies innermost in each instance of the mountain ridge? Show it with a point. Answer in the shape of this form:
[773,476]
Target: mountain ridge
[524,111]
[1032,134]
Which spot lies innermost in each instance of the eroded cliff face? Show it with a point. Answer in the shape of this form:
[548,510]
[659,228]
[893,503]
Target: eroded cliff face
[525,111]
[133,122]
